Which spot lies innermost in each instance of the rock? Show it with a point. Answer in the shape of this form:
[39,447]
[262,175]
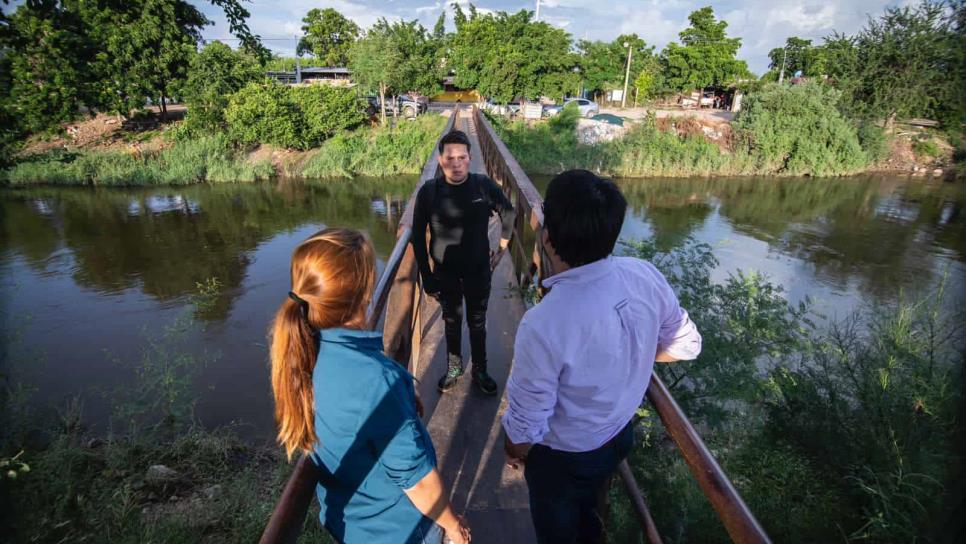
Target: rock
[161,474]
[937,172]
[138,485]
[213,492]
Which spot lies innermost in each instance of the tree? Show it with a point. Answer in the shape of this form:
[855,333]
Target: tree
[328,36]
[603,64]
[707,56]
[48,55]
[102,54]
[507,56]
[798,55]
[418,66]
[214,74]
[146,46]
[373,61]
[902,64]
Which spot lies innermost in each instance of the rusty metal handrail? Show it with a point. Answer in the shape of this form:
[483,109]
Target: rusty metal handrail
[738,520]
[288,517]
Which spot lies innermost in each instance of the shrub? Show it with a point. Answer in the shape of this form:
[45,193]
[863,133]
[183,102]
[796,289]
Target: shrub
[797,130]
[925,148]
[264,113]
[873,141]
[292,117]
[327,110]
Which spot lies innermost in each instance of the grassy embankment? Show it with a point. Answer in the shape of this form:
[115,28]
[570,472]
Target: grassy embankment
[780,132]
[368,151]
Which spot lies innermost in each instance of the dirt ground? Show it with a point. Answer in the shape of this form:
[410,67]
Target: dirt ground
[105,132]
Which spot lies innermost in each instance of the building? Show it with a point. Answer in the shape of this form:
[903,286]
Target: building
[335,75]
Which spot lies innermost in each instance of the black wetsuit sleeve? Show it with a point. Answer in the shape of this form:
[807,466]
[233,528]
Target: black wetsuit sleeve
[500,204]
[421,213]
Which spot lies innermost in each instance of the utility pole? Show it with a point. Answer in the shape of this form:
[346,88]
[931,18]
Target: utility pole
[781,75]
[627,73]
[537,16]
[298,62]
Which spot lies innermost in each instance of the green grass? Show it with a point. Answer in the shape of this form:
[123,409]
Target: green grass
[368,151]
[376,152]
[209,158]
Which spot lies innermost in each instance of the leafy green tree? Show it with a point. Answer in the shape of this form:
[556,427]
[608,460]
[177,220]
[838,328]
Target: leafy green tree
[373,61]
[418,67]
[102,54]
[798,55]
[328,36]
[603,64]
[506,56]
[214,74]
[706,55]
[902,64]
[48,55]
[146,46]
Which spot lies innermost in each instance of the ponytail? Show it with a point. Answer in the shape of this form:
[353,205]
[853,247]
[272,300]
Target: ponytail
[294,351]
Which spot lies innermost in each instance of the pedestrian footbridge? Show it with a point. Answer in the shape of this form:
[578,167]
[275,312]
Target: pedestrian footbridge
[464,424]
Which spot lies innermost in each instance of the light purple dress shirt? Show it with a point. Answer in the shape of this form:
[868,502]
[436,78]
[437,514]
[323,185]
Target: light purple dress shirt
[583,356]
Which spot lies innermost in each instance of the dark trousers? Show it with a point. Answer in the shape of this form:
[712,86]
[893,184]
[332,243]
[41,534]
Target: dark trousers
[565,489]
[475,290]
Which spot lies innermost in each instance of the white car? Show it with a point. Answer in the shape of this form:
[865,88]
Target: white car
[586,107]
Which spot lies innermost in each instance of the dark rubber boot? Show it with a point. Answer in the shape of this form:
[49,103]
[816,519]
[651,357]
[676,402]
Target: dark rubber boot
[454,369]
[482,380]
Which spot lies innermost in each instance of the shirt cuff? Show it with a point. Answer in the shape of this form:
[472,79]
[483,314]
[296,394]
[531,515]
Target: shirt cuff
[520,431]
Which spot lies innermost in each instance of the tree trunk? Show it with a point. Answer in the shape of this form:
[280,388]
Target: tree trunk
[164,107]
[382,101]
[890,122]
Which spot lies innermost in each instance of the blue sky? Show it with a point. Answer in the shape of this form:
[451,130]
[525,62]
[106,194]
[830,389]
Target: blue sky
[762,24]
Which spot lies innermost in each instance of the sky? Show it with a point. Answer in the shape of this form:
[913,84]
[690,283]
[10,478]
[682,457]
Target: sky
[761,24]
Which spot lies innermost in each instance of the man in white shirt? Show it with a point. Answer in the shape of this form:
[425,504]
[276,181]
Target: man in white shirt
[583,358]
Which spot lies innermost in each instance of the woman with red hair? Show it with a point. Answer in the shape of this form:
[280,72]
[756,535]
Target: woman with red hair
[339,399]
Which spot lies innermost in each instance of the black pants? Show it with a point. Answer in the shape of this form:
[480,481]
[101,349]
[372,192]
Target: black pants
[475,290]
[565,488]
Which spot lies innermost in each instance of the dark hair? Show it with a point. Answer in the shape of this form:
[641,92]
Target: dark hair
[583,214]
[454,137]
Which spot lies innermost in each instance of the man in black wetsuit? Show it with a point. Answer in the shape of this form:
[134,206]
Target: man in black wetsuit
[457,207]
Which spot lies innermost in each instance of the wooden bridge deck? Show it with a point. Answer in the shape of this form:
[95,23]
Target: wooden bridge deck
[464,423]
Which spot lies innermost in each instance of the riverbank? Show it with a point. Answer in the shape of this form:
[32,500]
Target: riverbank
[781,131]
[166,158]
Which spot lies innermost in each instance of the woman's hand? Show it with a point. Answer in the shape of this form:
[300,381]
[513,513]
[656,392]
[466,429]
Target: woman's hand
[461,535]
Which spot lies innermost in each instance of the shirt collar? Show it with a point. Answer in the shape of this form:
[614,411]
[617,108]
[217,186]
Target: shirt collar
[359,338]
[587,272]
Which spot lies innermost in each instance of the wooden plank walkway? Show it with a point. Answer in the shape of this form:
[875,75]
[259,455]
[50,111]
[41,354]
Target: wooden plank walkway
[465,424]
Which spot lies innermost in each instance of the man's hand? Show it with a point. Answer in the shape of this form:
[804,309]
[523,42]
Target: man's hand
[516,454]
[431,286]
[496,255]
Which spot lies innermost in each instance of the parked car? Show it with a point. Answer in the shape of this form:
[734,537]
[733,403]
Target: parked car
[587,108]
[411,106]
[509,109]
[404,104]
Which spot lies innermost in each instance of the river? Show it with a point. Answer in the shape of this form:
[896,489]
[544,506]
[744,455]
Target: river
[94,281]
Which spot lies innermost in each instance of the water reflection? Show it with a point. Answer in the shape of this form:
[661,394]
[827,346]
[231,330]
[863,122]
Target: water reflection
[87,270]
[163,242]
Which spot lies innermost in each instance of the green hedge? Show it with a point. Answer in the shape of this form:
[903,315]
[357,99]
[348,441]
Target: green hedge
[291,117]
